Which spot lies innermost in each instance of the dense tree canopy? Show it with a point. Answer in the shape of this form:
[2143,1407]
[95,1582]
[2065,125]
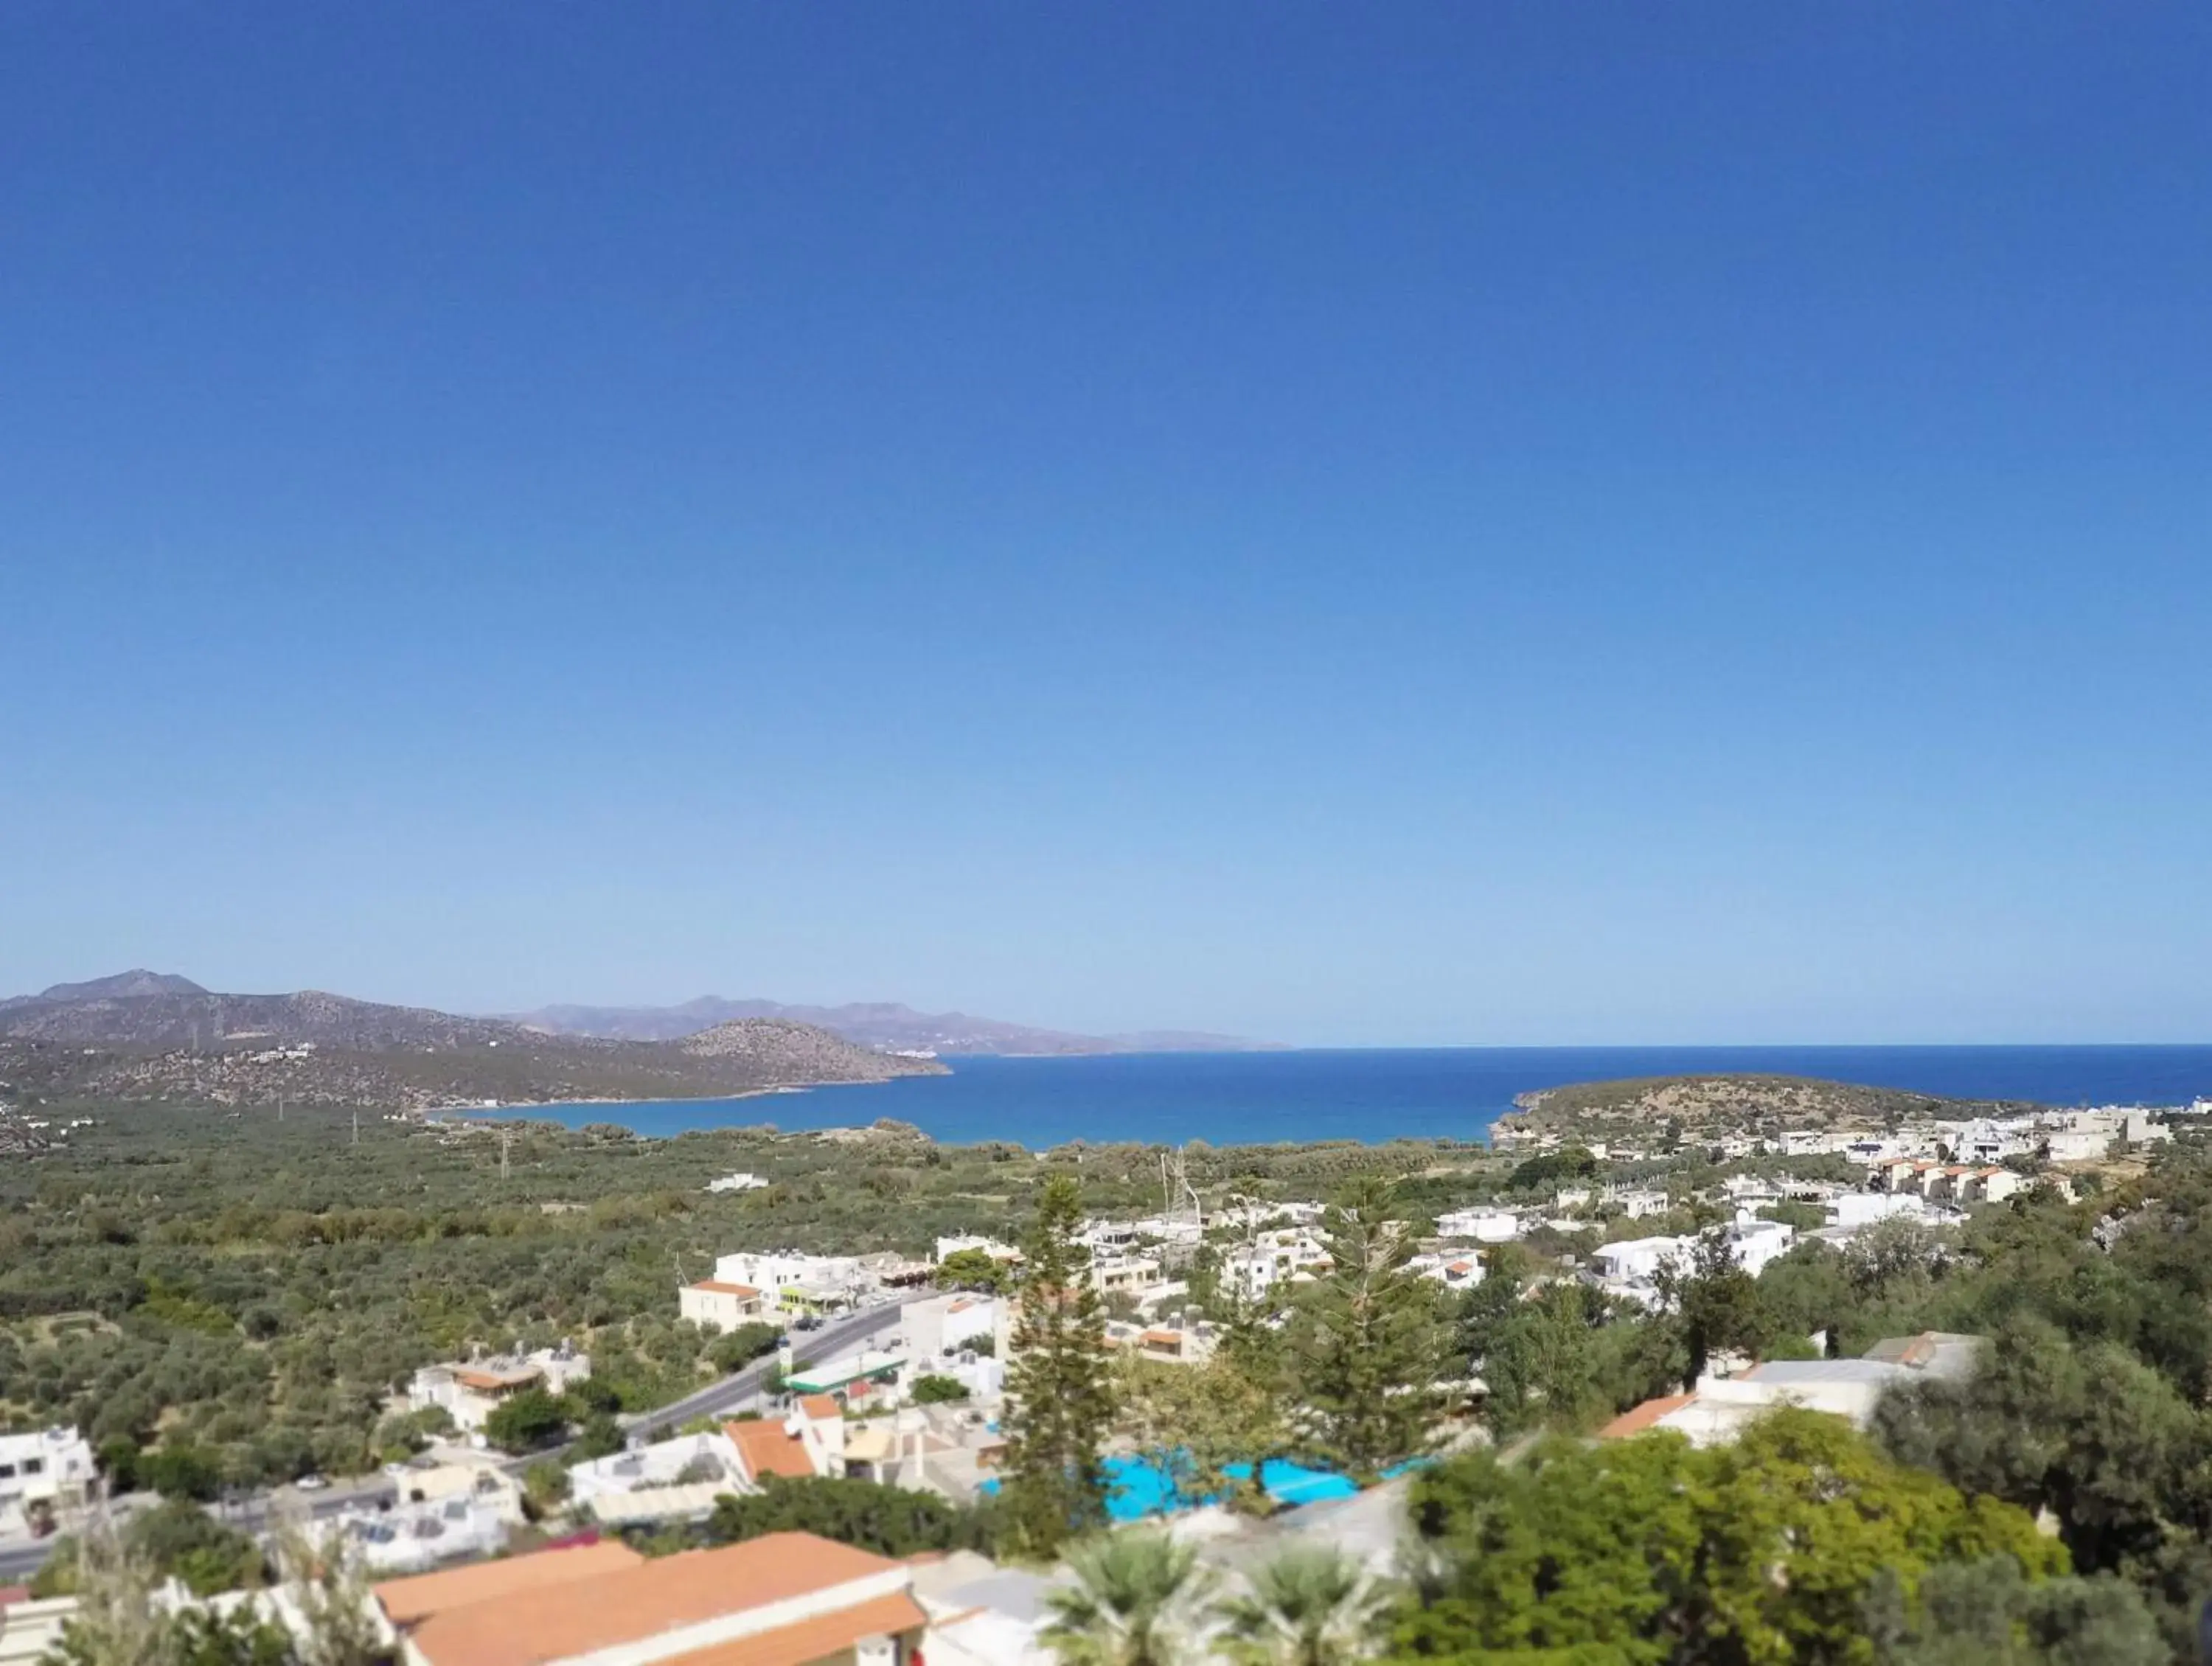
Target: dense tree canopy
[1762,1551]
[210,1279]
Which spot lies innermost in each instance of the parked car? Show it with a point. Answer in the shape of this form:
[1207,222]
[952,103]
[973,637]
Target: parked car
[311,1483]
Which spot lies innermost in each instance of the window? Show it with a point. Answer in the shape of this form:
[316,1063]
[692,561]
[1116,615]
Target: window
[33,1466]
[7,1471]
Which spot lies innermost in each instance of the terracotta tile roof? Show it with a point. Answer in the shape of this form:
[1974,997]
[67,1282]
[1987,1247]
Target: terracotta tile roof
[1640,1417]
[767,1448]
[507,1377]
[830,1635]
[822,1408]
[581,1616]
[410,1600]
[722,1287]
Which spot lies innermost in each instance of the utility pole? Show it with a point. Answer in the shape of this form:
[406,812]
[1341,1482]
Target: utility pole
[280,1108]
[506,1139]
[356,1125]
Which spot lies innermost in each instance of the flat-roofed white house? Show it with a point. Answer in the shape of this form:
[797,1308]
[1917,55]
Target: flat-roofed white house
[42,1474]
[956,1243]
[1634,1262]
[1479,1226]
[943,1325]
[677,1479]
[1290,1255]
[795,1281]
[2076,1145]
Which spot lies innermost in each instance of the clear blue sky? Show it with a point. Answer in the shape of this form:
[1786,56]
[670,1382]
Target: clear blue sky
[1457,523]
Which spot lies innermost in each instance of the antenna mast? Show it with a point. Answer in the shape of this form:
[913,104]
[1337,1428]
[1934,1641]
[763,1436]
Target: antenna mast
[1181,1196]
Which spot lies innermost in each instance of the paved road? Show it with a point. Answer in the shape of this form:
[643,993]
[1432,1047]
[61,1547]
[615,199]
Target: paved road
[808,1348]
[20,1558]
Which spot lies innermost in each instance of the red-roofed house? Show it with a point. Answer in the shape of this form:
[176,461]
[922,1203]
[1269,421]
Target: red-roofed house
[784,1599]
[808,1440]
[1648,1415]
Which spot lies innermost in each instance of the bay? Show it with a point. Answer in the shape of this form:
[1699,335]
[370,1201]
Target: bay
[1376,1093]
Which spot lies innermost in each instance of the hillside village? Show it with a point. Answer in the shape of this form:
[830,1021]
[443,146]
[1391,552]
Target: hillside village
[895,1371]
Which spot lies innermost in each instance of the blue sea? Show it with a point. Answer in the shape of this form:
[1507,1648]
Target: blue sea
[1456,1093]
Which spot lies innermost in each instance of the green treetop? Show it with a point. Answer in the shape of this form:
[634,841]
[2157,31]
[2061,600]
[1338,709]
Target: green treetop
[1648,1552]
[1370,1339]
[1059,1403]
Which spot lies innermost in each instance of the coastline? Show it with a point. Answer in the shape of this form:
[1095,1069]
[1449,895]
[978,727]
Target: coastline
[518,1112]
[1366,1096]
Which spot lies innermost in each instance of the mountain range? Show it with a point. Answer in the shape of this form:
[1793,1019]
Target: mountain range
[148,1036]
[886,1024]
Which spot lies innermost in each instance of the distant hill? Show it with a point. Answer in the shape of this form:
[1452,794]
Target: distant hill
[1722,1103]
[138,981]
[888,1024]
[193,1044]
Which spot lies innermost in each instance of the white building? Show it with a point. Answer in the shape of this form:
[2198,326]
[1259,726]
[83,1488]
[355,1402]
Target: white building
[2076,1145]
[1811,1141]
[1638,1203]
[409,1537]
[797,1282]
[470,1392]
[1753,1244]
[1454,1270]
[1635,1263]
[712,1304]
[33,1628]
[945,1324]
[2138,1129]
[959,1243]
[1481,1224]
[1720,1409]
[670,1480]
[1292,1213]
[1855,1209]
[1631,1266]
[1132,1272]
[43,1473]
[1288,1255]
[737,1182]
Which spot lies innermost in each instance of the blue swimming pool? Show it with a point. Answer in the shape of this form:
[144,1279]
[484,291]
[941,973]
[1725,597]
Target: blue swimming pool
[1136,1488]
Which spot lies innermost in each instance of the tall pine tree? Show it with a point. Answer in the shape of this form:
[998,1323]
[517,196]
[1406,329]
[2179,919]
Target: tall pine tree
[1370,1339]
[1059,1400]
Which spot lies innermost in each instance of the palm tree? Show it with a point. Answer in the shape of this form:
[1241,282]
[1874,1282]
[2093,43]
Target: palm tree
[1135,1601]
[1310,1606]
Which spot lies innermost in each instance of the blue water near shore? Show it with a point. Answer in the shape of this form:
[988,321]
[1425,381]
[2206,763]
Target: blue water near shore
[1242,1099]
